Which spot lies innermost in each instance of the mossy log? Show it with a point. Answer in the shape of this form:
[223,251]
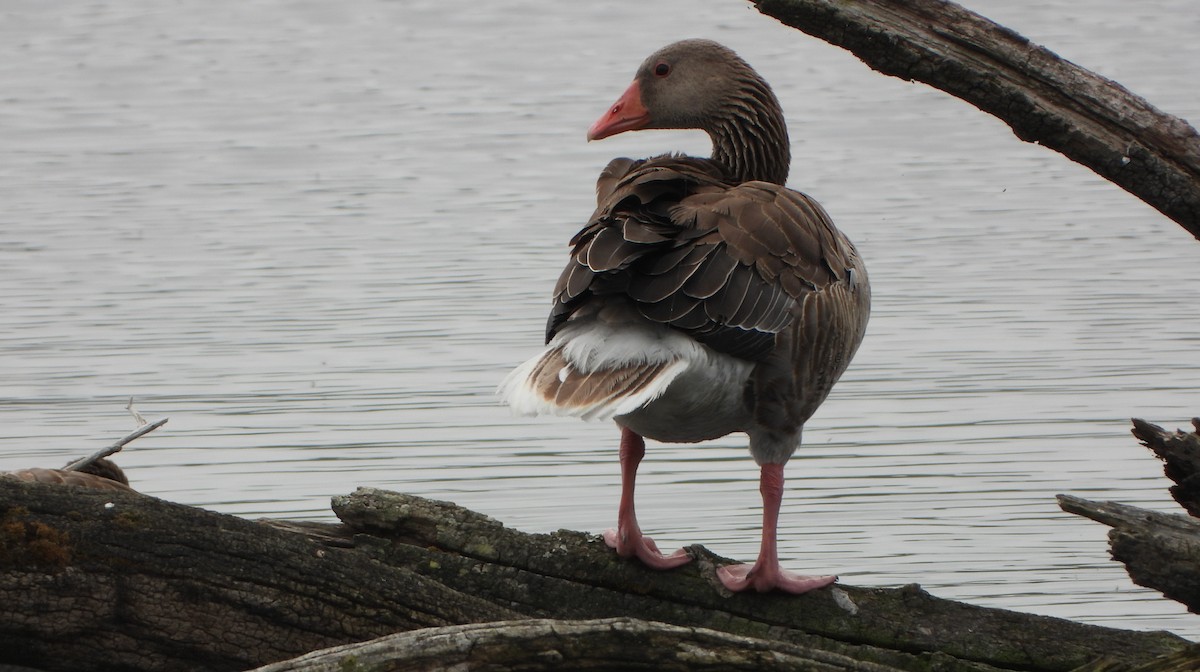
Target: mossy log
[101,580]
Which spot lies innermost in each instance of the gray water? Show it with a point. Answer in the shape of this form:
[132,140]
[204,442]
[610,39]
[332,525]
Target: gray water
[317,235]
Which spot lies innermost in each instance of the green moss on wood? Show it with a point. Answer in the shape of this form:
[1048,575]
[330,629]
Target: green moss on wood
[25,542]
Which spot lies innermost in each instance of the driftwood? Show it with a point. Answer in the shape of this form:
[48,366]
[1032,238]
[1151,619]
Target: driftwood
[94,580]
[1180,453]
[1160,550]
[1089,119]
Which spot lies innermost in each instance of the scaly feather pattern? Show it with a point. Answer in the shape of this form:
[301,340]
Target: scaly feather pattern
[726,263]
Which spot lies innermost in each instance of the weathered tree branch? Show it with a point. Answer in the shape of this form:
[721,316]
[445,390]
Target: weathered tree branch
[1160,550]
[82,463]
[1045,99]
[93,580]
[1180,453]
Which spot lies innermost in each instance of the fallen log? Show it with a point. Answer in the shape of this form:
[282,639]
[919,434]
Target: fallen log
[95,580]
[100,580]
[1089,119]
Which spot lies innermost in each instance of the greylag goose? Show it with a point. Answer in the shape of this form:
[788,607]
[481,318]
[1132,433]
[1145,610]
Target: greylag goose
[703,297]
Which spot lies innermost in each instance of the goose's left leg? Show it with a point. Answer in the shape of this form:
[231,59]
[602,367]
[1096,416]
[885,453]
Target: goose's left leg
[766,574]
[627,538]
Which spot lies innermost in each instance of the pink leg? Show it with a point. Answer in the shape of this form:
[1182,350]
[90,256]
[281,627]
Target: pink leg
[766,573]
[628,538]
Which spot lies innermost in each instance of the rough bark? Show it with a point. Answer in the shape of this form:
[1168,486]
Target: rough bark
[1160,550]
[1187,660]
[1180,453]
[1045,99]
[102,580]
[98,580]
[498,562]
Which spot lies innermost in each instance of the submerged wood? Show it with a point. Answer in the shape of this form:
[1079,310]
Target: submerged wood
[94,580]
[1043,98]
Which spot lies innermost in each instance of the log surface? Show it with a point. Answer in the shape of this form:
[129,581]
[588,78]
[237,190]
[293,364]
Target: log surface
[96,580]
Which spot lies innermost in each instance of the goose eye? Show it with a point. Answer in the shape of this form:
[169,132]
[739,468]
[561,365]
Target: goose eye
[662,70]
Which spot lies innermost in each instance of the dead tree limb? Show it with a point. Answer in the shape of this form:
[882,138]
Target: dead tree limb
[93,580]
[1180,453]
[117,445]
[1045,99]
[1160,550]
[100,580]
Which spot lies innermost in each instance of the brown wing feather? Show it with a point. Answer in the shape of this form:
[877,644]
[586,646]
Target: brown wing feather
[811,354]
[609,250]
[611,177]
[653,288]
[567,388]
[711,277]
[731,264]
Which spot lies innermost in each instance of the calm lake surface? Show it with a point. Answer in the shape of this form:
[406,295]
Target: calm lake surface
[317,235]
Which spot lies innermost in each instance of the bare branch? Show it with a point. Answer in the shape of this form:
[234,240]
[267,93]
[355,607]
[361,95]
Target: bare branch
[1045,99]
[117,446]
[137,417]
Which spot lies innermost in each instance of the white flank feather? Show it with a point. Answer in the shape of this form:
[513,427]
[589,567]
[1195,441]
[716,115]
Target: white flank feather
[593,346]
